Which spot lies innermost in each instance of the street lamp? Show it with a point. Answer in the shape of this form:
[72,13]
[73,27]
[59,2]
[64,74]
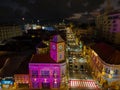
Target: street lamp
[110,76]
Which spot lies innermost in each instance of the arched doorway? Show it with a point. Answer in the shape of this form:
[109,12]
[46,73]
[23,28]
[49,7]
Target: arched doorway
[45,85]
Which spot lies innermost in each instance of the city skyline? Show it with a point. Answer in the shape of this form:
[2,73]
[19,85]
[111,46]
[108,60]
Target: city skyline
[60,44]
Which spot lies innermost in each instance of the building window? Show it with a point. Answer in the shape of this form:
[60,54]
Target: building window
[56,85]
[116,72]
[114,29]
[63,73]
[35,84]
[108,22]
[114,21]
[46,85]
[107,71]
[55,74]
[45,73]
[114,25]
[60,56]
[34,73]
[115,17]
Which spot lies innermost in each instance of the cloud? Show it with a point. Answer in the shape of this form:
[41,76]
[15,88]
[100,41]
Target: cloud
[52,8]
[114,4]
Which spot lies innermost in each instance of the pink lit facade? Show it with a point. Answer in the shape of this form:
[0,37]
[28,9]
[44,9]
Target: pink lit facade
[47,75]
[57,48]
[49,71]
[114,22]
[57,51]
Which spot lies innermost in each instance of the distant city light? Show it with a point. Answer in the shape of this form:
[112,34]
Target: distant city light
[38,21]
[23,18]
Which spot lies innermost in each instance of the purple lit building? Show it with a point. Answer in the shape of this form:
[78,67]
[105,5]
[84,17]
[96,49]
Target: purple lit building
[49,70]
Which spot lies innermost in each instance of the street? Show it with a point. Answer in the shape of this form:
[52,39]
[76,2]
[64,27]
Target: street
[80,77]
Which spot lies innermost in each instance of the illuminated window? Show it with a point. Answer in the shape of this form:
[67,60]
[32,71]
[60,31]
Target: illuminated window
[56,85]
[35,84]
[107,71]
[34,73]
[45,85]
[55,74]
[60,56]
[116,72]
[45,73]
[63,73]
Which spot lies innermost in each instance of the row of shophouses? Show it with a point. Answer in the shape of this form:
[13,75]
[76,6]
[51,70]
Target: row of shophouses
[105,65]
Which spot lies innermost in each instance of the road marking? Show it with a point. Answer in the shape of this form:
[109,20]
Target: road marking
[83,84]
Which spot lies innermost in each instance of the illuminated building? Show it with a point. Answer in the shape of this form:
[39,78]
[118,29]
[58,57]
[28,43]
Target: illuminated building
[48,28]
[105,63]
[9,31]
[21,80]
[108,25]
[32,26]
[110,28]
[61,27]
[49,70]
[84,33]
[41,48]
[7,82]
[114,27]
[70,36]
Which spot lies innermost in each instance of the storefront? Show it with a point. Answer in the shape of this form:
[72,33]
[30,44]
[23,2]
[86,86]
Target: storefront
[7,83]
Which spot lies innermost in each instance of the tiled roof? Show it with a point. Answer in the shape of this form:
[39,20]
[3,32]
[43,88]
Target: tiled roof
[42,58]
[41,45]
[57,38]
[115,58]
[107,53]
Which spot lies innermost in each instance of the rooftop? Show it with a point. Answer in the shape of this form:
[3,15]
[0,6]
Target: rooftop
[42,58]
[57,38]
[114,12]
[107,53]
[41,45]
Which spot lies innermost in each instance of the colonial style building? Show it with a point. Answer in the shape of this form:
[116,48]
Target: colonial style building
[49,70]
[105,63]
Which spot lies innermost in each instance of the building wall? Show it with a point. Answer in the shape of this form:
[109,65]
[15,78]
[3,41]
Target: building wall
[21,79]
[115,28]
[53,51]
[61,51]
[57,51]
[42,50]
[84,33]
[101,71]
[109,26]
[47,75]
[7,32]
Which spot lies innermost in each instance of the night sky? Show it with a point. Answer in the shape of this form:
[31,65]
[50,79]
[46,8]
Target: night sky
[14,10]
